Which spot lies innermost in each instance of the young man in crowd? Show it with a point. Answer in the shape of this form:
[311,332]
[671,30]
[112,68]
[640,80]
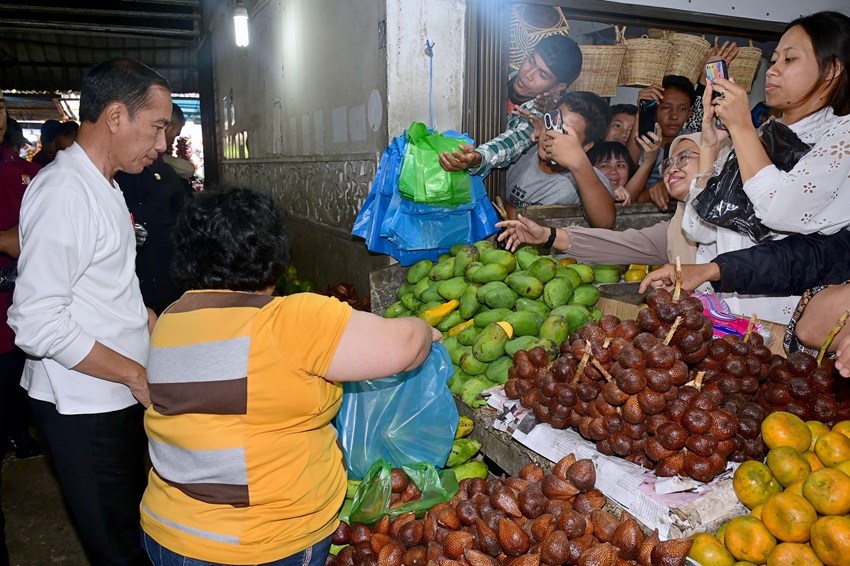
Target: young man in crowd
[78,311]
[553,66]
[559,172]
[675,96]
[48,146]
[622,122]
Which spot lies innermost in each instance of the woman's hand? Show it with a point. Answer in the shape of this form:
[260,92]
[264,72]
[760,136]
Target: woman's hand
[692,276]
[522,231]
[712,137]
[732,106]
[533,119]
[726,52]
[622,196]
[842,358]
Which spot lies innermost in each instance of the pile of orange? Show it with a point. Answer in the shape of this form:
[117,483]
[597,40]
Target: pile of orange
[799,500]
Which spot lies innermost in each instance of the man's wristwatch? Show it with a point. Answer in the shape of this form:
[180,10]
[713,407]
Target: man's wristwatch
[553,232]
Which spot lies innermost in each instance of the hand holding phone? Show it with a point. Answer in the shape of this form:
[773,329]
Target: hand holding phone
[713,71]
[554,121]
[647,116]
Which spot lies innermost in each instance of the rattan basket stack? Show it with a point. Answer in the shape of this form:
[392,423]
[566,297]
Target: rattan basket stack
[688,55]
[743,67]
[531,23]
[600,67]
[645,61]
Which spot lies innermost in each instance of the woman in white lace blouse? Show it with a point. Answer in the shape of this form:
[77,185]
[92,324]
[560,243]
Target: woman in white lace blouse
[807,82]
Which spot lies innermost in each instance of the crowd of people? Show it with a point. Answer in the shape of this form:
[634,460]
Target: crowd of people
[115,361]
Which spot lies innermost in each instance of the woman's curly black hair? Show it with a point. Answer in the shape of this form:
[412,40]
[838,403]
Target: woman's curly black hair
[230,238]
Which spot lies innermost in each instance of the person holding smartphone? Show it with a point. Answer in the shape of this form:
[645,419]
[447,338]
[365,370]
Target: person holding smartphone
[559,172]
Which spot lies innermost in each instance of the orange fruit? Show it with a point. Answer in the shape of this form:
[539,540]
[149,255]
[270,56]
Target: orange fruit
[832,448]
[785,429]
[796,488]
[813,459]
[793,554]
[843,466]
[816,428]
[787,465]
[721,531]
[744,563]
[709,551]
[748,539]
[789,517]
[843,427]
[756,512]
[565,261]
[634,275]
[831,540]
[828,491]
[754,484]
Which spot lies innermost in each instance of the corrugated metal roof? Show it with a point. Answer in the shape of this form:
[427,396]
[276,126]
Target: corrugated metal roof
[49,46]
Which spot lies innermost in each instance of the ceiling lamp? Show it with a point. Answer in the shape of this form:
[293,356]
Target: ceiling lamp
[240,23]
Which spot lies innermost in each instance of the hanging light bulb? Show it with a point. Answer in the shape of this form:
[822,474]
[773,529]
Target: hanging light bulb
[240,22]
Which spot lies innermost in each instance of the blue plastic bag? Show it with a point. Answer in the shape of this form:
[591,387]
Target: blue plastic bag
[404,419]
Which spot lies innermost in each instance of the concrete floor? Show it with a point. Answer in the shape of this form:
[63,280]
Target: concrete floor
[38,530]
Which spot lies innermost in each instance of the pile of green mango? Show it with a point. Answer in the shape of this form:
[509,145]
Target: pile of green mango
[471,292]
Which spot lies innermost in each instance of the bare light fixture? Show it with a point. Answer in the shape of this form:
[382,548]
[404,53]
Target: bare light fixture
[240,22]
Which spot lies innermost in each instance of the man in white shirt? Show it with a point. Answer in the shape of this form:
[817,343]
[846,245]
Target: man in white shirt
[78,312]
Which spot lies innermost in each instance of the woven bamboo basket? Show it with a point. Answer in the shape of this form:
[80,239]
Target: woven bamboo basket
[600,67]
[645,61]
[743,67]
[531,23]
[688,57]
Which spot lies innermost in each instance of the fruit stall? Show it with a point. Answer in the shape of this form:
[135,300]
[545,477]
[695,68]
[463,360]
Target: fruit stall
[618,433]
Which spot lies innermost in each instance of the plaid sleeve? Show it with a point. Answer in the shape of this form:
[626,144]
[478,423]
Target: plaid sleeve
[508,146]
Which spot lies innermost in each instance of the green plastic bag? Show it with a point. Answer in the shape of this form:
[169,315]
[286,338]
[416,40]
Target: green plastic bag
[372,499]
[422,178]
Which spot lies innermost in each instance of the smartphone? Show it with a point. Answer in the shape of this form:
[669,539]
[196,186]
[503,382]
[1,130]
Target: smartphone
[554,120]
[716,70]
[647,116]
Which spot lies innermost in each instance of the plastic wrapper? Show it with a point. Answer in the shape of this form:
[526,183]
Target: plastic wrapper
[404,419]
[7,277]
[372,499]
[423,179]
[724,203]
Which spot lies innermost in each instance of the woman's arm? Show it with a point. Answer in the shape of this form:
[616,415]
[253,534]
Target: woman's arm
[733,109]
[821,315]
[636,184]
[372,347]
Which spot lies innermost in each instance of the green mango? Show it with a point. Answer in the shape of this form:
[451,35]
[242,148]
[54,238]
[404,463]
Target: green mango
[484,246]
[584,271]
[490,344]
[419,271]
[470,395]
[471,269]
[552,349]
[555,328]
[519,272]
[586,295]
[463,449]
[405,289]
[426,306]
[456,248]
[557,292]
[466,255]
[442,270]
[457,353]
[497,371]
[421,287]
[575,315]
[606,274]
[472,365]
[596,314]
[486,288]
[532,305]
[409,301]
[469,304]
[450,343]
[432,293]
[449,321]
[525,285]
[471,469]
[543,269]
[488,273]
[443,257]
[452,288]
[499,297]
[502,257]
[525,323]
[483,319]
[525,256]
[396,310]
[457,380]
[468,335]
[569,274]
[517,344]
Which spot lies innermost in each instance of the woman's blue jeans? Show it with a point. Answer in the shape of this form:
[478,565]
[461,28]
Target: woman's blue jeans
[161,556]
